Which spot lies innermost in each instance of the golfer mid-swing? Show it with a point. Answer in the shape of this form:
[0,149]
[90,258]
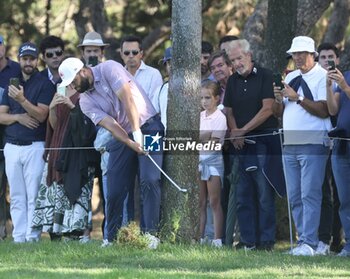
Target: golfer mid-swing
[113,100]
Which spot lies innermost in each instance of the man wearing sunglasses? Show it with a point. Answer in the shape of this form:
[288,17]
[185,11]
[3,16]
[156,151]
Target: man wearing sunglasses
[52,49]
[148,77]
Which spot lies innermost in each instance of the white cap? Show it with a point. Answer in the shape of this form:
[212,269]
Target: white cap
[69,69]
[303,43]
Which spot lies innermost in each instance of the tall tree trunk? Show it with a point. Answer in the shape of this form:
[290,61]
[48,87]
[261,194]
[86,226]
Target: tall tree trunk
[309,12]
[338,22]
[279,33]
[180,216]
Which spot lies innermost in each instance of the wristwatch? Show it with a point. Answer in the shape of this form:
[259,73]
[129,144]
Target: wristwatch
[300,99]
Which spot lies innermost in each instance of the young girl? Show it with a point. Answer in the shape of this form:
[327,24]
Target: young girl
[211,166]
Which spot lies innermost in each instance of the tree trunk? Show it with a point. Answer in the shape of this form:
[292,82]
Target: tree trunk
[254,30]
[338,22]
[279,33]
[180,212]
[309,12]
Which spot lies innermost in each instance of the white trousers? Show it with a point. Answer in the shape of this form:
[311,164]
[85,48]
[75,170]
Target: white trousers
[24,169]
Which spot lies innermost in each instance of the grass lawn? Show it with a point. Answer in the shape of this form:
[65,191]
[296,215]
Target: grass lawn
[75,260]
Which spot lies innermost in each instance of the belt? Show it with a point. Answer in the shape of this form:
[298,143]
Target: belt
[151,120]
[20,142]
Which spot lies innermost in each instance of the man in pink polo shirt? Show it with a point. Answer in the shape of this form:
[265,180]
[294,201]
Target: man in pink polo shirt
[114,101]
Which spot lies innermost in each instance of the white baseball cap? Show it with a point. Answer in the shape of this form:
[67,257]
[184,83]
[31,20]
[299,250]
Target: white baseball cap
[69,69]
[302,43]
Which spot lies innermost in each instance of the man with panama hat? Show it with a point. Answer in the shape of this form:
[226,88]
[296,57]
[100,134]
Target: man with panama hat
[92,46]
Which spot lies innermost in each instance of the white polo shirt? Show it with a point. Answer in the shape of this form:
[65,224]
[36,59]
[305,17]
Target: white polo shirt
[301,127]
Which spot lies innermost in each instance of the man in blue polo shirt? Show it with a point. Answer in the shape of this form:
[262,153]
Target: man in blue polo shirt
[24,110]
[8,69]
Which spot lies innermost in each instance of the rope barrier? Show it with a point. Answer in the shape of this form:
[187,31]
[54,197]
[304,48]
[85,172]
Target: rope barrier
[274,133]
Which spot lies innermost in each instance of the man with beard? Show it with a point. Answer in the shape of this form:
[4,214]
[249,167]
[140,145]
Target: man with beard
[24,109]
[52,49]
[113,100]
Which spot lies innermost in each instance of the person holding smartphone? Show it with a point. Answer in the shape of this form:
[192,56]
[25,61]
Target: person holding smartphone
[24,111]
[92,49]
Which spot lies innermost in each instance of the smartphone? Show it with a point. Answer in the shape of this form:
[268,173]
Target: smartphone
[15,82]
[61,90]
[93,60]
[277,79]
[331,65]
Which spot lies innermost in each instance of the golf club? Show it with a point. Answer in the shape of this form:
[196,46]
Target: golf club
[164,173]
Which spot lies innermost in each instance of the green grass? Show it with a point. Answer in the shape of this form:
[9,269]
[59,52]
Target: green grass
[74,260]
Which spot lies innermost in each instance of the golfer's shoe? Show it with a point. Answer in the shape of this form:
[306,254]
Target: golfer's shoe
[153,241]
[84,239]
[322,249]
[106,243]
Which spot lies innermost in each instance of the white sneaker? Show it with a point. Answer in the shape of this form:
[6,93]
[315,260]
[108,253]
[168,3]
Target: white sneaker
[84,239]
[106,243]
[153,241]
[322,249]
[303,250]
[217,243]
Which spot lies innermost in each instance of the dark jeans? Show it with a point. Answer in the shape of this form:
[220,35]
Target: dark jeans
[255,202]
[122,167]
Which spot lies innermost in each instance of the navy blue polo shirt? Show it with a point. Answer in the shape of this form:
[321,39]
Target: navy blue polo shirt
[245,95]
[37,89]
[11,70]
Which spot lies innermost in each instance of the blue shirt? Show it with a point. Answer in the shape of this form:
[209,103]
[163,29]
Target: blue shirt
[343,121]
[38,89]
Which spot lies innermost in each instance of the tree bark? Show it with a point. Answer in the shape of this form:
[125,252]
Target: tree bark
[338,22]
[180,212]
[92,16]
[279,33]
[254,30]
[309,12]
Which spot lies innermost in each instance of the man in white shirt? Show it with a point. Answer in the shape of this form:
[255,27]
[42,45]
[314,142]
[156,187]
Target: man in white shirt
[305,123]
[132,53]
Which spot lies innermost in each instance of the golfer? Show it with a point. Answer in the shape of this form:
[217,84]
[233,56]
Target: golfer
[113,100]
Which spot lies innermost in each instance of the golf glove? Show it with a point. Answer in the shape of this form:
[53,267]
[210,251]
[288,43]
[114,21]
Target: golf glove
[138,137]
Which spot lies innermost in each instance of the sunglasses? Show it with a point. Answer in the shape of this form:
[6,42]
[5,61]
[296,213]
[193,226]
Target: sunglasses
[51,54]
[134,52]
